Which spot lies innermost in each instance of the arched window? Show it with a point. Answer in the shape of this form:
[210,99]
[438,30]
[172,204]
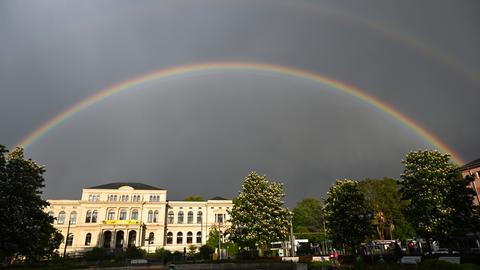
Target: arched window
[69,240]
[169,238]
[180,217]
[94,216]
[122,215]
[88,217]
[73,217]
[88,239]
[170,217]
[134,215]
[155,216]
[61,217]
[150,216]
[111,214]
[190,217]
[189,237]
[199,237]
[179,237]
[199,217]
[151,238]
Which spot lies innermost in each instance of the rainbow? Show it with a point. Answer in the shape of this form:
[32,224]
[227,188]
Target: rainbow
[250,66]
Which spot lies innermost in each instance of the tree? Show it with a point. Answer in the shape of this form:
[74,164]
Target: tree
[439,200]
[25,229]
[347,214]
[308,220]
[194,198]
[383,197]
[258,216]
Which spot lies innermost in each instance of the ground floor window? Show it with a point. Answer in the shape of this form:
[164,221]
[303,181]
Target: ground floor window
[169,238]
[88,239]
[69,242]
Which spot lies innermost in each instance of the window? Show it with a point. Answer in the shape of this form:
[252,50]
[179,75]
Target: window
[135,198]
[180,217]
[61,218]
[90,198]
[134,215]
[112,198]
[189,237]
[170,217]
[154,198]
[151,238]
[190,217]
[96,198]
[122,215]
[94,216]
[150,216]
[179,237]
[124,198]
[155,216]
[169,238]
[199,216]
[88,217]
[199,237]
[69,242]
[111,214]
[219,218]
[73,217]
[88,239]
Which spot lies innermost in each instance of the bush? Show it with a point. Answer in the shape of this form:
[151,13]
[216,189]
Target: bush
[206,252]
[163,255]
[96,254]
[135,253]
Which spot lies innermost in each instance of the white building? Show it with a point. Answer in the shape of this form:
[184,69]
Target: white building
[118,215]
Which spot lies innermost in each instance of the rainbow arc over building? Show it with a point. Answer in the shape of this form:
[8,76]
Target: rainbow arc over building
[160,74]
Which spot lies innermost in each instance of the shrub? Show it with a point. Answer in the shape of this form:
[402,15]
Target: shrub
[135,253]
[96,254]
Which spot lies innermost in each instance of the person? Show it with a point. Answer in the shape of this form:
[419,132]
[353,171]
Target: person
[334,256]
[397,251]
[411,247]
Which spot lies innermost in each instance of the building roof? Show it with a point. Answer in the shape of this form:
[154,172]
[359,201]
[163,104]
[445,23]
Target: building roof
[117,185]
[471,164]
[218,198]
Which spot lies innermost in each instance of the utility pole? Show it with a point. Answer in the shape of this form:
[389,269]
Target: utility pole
[292,238]
[66,240]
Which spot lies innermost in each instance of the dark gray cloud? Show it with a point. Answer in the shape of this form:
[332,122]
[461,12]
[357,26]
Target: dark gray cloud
[201,134]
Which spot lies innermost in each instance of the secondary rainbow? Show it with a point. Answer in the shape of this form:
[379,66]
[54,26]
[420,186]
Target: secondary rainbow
[250,66]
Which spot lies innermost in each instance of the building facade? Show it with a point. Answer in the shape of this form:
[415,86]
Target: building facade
[473,169]
[119,215]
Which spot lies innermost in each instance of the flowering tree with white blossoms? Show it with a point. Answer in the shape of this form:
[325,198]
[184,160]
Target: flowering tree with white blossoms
[258,216]
[439,200]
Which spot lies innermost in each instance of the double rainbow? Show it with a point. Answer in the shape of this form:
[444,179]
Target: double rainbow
[249,66]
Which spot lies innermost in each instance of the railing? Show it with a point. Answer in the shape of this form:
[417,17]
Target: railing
[121,222]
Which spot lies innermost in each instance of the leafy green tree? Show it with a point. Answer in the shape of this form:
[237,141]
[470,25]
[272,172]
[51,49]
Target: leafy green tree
[258,216]
[25,229]
[383,197]
[439,200]
[349,218]
[194,198]
[213,238]
[308,220]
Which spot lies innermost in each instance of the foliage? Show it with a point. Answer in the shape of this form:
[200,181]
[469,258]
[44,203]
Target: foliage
[258,216]
[383,197]
[439,199]
[213,238]
[163,254]
[194,198]
[206,252]
[25,229]
[191,250]
[96,254]
[308,220]
[135,253]
[347,214]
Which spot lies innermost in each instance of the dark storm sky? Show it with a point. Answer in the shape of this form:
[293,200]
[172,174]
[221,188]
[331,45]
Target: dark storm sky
[202,133]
